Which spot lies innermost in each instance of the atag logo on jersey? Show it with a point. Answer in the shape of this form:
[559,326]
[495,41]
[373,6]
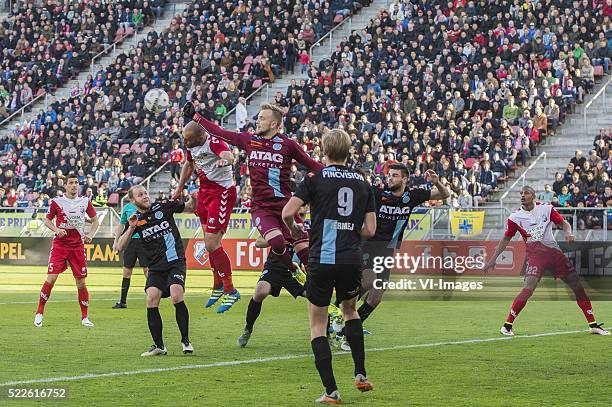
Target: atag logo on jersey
[277,147]
[266,156]
[156,229]
[159,215]
[394,210]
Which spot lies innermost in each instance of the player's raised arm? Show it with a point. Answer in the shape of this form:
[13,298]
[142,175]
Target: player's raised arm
[237,139]
[299,155]
[128,231]
[439,191]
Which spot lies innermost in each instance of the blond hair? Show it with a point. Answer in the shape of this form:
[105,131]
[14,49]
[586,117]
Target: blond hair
[132,190]
[276,112]
[336,145]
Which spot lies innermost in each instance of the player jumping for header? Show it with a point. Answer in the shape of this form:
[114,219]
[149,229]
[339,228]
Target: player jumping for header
[69,212]
[270,156]
[213,160]
[534,223]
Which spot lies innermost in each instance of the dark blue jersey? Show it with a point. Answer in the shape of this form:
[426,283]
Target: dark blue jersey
[160,237]
[339,198]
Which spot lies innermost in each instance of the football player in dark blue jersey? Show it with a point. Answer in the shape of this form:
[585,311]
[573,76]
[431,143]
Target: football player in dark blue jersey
[161,240]
[343,212]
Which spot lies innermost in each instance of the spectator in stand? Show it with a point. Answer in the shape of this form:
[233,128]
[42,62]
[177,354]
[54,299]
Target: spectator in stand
[177,156]
[547,195]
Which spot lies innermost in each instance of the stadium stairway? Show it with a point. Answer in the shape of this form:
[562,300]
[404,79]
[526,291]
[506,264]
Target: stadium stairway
[358,22]
[170,10]
[559,149]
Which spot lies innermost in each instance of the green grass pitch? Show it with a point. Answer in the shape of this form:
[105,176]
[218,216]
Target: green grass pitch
[277,369]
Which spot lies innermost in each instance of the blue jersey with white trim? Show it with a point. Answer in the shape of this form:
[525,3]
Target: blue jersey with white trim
[339,199]
[159,235]
[393,213]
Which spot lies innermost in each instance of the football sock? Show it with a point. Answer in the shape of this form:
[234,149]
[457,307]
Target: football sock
[83,301]
[252,314]
[125,287]
[518,304]
[585,304]
[323,362]
[45,293]
[303,256]
[223,266]
[155,326]
[279,248]
[354,337]
[365,310]
[182,320]
[217,282]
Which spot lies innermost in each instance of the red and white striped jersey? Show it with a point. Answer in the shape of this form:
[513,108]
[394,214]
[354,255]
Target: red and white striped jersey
[535,226]
[205,158]
[69,214]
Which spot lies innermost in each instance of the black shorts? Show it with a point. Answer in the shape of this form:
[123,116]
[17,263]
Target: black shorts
[370,251]
[135,251]
[174,273]
[279,277]
[323,278]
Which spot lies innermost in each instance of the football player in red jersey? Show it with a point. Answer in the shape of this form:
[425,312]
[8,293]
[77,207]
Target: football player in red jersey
[533,221]
[69,213]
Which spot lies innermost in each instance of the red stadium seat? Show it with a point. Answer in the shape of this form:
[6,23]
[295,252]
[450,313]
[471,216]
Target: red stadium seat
[125,148]
[338,18]
[257,83]
[248,60]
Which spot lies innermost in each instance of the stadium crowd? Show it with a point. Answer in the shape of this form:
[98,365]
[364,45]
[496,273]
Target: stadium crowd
[469,89]
[586,183]
[212,53]
[45,46]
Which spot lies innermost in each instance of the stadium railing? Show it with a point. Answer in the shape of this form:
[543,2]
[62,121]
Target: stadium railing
[330,34]
[147,181]
[593,99]
[22,110]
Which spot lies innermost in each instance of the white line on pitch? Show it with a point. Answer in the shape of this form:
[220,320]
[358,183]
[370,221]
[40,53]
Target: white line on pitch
[270,359]
[36,302]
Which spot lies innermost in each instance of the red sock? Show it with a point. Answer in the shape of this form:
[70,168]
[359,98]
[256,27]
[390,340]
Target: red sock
[217,282]
[585,304]
[303,255]
[45,293]
[224,268]
[279,249]
[83,301]
[518,304]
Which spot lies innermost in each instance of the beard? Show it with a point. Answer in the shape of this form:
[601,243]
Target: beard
[395,188]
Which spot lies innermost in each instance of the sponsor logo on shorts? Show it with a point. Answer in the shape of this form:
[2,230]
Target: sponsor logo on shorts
[179,277]
[211,221]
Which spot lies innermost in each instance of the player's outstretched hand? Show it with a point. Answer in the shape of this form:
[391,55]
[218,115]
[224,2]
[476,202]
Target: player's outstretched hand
[133,220]
[189,110]
[570,237]
[177,195]
[297,231]
[61,233]
[88,239]
[431,176]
